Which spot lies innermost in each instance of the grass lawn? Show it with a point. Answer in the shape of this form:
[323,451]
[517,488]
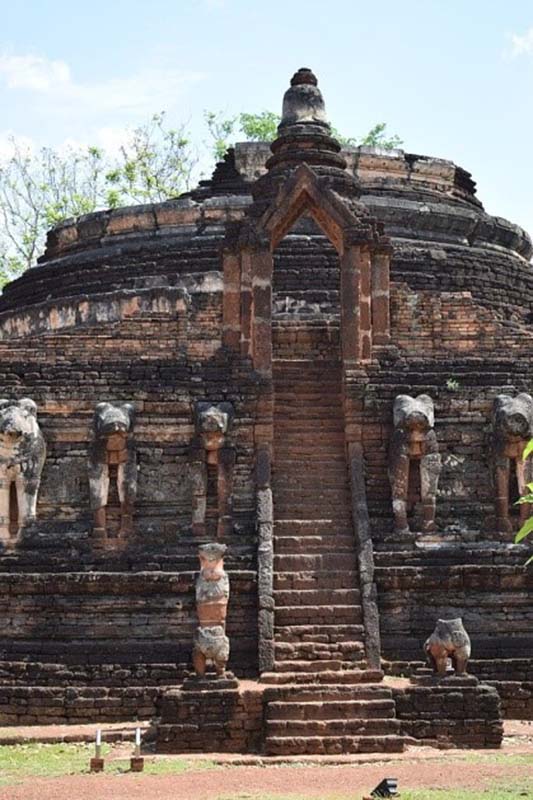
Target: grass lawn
[18,763]
[53,760]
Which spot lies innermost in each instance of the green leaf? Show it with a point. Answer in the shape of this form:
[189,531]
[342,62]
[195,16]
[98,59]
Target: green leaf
[528,449]
[524,531]
[528,562]
[526,498]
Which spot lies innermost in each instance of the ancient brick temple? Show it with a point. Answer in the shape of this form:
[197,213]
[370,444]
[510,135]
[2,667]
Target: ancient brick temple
[303,360]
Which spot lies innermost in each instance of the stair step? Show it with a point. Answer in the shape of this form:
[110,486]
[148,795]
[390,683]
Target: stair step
[285,508]
[308,526]
[346,579]
[331,709]
[310,494]
[323,693]
[288,598]
[349,650]
[309,544]
[322,422]
[318,633]
[334,727]
[312,527]
[321,441]
[307,615]
[307,563]
[347,676]
[312,472]
[310,666]
[332,745]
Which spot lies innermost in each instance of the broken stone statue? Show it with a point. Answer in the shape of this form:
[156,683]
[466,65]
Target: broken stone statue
[211,448]
[414,439]
[449,640]
[212,593]
[112,445]
[512,428]
[22,457]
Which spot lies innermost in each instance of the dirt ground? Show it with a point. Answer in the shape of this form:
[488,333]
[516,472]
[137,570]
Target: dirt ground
[417,768]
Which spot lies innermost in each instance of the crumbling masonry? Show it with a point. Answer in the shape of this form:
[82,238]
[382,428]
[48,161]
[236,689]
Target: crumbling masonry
[302,361]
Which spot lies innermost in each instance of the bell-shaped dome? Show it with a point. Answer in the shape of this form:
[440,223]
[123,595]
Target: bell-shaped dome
[303,101]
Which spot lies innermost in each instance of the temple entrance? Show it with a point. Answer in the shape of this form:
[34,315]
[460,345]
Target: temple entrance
[318,618]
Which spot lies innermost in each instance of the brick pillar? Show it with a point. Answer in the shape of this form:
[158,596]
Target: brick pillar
[226,466]
[365,556]
[365,301]
[356,320]
[350,305]
[199,490]
[246,302]
[265,558]
[381,294]
[262,266]
[231,306]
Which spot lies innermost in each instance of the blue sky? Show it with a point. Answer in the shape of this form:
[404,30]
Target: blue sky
[453,78]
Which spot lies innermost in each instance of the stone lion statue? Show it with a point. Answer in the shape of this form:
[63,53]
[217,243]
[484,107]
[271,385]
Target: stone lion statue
[414,439]
[112,445]
[449,640]
[213,421]
[22,457]
[512,428]
[211,448]
[210,644]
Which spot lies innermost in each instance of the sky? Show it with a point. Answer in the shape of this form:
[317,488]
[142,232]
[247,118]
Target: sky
[453,78]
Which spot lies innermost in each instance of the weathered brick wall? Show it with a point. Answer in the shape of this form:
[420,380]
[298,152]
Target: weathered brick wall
[41,673]
[123,618]
[163,362]
[463,716]
[460,354]
[449,268]
[214,721]
[494,601]
[39,705]
[511,677]
[127,305]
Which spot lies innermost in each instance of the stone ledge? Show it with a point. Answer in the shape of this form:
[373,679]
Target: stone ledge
[460,715]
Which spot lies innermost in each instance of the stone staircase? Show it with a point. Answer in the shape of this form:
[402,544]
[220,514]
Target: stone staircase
[318,617]
[322,699]
[331,720]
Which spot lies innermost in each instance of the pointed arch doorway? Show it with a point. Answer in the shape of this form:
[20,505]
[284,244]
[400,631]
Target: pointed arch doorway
[308,425]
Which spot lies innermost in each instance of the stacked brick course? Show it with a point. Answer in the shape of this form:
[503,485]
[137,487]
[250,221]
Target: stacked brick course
[273,288]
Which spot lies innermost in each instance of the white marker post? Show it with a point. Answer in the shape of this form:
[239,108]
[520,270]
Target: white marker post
[137,760]
[97,762]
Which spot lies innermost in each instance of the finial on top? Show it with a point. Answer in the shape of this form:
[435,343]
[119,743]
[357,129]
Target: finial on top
[304,75]
[303,102]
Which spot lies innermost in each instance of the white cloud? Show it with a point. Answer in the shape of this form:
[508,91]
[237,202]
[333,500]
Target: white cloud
[522,45]
[33,72]
[9,142]
[110,139]
[148,90]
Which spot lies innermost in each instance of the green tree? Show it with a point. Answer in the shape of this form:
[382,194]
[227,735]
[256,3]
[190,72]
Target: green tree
[263,127]
[40,189]
[157,163]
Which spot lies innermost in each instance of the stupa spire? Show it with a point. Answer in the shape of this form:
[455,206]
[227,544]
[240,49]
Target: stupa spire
[304,137]
[303,102]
